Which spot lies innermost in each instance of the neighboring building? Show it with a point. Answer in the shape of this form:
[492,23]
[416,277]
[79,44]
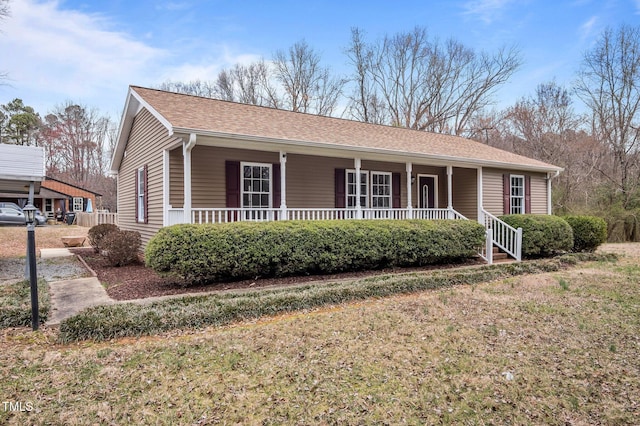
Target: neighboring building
[20,166]
[58,197]
[182,158]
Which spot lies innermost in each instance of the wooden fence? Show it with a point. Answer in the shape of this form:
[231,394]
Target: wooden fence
[96,218]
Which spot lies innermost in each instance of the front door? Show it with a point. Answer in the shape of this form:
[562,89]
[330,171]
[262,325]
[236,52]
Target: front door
[427,192]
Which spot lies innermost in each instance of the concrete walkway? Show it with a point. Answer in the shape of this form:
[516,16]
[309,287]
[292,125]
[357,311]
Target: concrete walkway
[70,296]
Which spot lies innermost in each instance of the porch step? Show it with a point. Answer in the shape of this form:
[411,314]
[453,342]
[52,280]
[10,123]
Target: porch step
[499,254]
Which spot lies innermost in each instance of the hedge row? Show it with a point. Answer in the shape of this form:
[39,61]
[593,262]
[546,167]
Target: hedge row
[201,253]
[195,312]
[544,236]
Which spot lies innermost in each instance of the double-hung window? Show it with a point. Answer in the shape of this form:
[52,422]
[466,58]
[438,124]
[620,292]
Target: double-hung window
[140,195]
[78,203]
[351,189]
[380,190]
[517,195]
[256,185]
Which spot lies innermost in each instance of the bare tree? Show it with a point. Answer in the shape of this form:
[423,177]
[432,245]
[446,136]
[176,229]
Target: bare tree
[426,84]
[74,138]
[4,12]
[609,84]
[202,88]
[306,85]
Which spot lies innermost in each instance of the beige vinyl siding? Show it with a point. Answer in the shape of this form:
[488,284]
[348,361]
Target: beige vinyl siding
[146,143]
[492,191]
[311,180]
[176,178]
[538,193]
[465,192]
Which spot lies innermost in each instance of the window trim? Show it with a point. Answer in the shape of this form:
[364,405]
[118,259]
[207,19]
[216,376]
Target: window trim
[141,195]
[521,197]
[242,178]
[81,203]
[346,188]
[390,184]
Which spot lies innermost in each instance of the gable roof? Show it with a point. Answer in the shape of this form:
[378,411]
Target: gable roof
[65,188]
[186,114]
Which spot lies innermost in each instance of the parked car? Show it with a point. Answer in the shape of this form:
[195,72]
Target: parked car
[11,216]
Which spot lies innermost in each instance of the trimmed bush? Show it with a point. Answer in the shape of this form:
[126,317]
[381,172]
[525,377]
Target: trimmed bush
[202,253]
[122,247]
[97,233]
[542,235]
[588,232]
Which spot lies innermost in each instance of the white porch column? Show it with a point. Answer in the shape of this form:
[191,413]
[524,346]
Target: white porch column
[165,187]
[449,189]
[186,153]
[283,185]
[480,197]
[358,165]
[409,168]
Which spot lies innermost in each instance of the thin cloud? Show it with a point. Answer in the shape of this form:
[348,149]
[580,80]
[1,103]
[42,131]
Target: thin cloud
[486,10]
[587,28]
[73,53]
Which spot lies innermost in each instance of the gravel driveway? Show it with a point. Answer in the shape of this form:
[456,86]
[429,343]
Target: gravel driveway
[12,269]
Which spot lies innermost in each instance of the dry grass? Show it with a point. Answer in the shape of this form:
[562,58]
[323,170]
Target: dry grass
[557,348]
[13,239]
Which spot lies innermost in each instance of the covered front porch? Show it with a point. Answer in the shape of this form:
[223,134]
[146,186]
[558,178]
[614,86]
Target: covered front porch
[214,181]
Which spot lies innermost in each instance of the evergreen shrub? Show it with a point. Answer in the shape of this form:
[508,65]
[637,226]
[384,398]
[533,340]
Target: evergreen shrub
[542,235]
[588,232]
[211,252]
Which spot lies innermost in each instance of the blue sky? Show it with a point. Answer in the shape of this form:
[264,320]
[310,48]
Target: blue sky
[90,51]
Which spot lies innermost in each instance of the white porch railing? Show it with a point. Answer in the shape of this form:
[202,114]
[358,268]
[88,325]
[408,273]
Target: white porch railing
[224,215]
[503,235]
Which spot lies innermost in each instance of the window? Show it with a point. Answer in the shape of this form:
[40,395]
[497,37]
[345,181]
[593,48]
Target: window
[380,190]
[141,180]
[78,203]
[351,189]
[517,195]
[256,185]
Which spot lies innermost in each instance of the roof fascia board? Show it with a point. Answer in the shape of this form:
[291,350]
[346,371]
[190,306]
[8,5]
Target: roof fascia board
[402,156]
[132,107]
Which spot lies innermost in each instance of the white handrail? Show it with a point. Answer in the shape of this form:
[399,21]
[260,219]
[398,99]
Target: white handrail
[504,235]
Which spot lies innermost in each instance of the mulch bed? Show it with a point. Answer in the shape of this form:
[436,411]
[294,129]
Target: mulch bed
[136,281]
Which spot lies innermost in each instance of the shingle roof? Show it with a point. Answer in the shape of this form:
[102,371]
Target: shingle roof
[197,114]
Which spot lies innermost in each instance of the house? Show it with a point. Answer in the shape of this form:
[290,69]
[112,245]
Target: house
[55,195]
[186,159]
[66,197]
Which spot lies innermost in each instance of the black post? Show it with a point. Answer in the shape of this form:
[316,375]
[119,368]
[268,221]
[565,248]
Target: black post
[33,277]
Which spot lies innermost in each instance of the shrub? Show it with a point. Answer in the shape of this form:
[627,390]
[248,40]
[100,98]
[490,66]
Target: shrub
[246,250]
[542,235]
[122,247]
[588,232]
[97,233]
